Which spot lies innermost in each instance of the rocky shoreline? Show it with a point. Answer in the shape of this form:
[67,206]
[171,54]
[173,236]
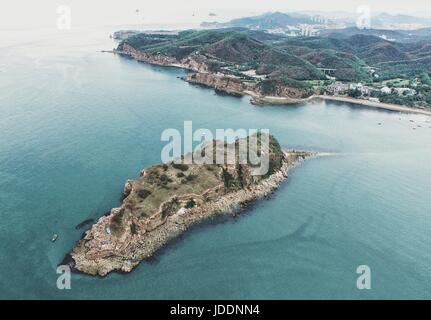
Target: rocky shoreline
[220,82]
[234,86]
[92,256]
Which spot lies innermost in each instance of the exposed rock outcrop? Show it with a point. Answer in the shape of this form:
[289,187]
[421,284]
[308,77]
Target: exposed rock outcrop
[167,200]
[193,62]
[220,82]
[223,83]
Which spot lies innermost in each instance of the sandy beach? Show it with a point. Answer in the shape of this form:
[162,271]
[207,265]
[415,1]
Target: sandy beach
[367,103]
[372,104]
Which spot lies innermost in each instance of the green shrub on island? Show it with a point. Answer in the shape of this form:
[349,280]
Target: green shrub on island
[144,193]
[190,204]
[117,221]
[133,228]
[191,177]
[180,166]
[164,179]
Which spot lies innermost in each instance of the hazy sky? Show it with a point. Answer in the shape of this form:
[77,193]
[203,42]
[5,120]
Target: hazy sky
[37,13]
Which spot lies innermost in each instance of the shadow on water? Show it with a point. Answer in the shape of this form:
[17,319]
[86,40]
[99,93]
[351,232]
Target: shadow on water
[297,236]
[234,217]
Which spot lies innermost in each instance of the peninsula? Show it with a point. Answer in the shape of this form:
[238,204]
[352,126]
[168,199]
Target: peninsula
[167,199]
[275,69]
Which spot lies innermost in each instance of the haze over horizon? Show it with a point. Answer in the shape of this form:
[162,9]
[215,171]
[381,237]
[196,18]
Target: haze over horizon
[18,14]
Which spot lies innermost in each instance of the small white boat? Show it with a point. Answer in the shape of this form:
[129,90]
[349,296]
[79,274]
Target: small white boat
[54,237]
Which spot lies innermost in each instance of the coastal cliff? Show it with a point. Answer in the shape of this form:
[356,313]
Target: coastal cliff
[221,83]
[261,93]
[168,199]
[194,63]
[203,74]
[276,69]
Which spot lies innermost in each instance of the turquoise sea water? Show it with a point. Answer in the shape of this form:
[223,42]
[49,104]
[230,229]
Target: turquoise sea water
[76,124]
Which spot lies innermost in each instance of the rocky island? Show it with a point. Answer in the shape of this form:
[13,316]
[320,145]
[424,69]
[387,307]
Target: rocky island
[168,199]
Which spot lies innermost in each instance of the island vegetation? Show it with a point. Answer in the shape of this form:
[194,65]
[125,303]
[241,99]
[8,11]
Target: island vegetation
[167,199]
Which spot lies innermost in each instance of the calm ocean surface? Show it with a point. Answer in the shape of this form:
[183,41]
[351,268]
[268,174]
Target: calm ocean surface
[76,124]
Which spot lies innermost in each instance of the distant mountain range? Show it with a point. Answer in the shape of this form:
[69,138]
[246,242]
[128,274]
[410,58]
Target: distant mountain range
[385,21]
[265,21]
[279,20]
